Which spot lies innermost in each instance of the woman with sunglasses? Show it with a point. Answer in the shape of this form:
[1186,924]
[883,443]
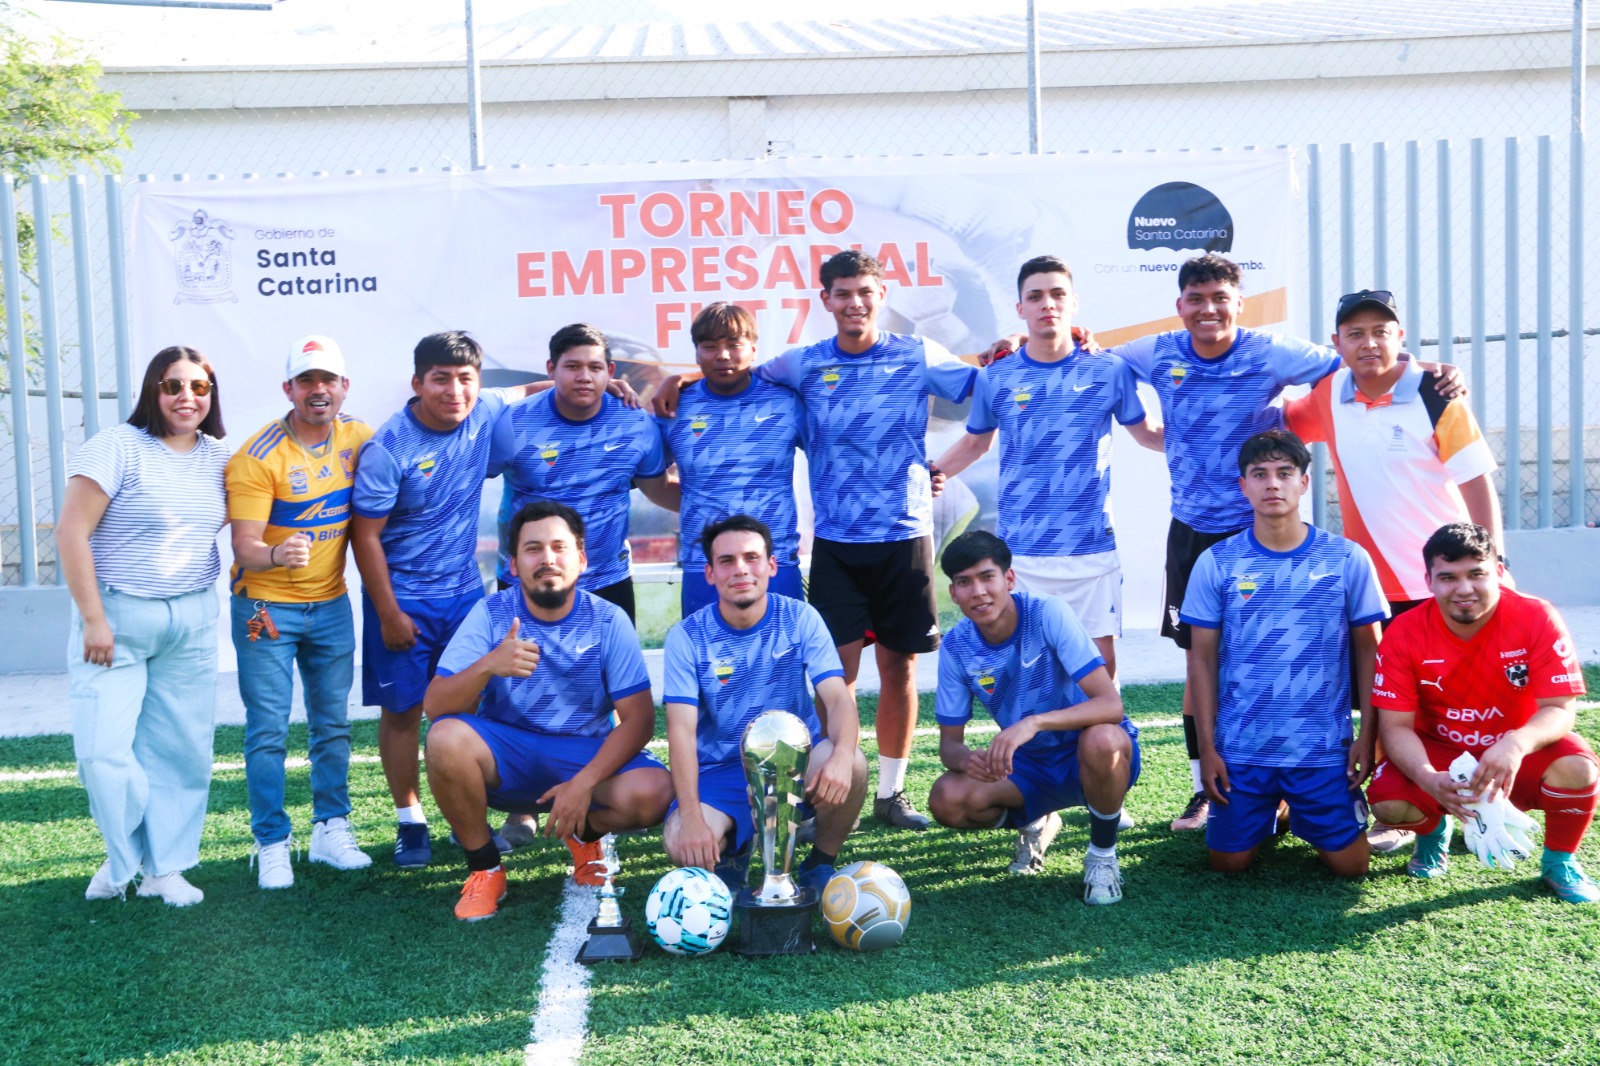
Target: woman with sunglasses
[137,541]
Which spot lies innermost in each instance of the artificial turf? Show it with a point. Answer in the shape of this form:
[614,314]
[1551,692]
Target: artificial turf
[1283,964]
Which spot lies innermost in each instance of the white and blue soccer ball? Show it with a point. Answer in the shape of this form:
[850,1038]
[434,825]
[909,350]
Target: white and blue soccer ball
[689,911]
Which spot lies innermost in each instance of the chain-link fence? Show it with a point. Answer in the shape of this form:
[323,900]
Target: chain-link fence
[1357,72]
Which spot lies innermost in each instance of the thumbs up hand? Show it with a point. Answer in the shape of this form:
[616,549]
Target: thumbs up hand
[513,657]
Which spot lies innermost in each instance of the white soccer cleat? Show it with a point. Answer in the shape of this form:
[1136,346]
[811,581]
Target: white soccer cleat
[1033,840]
[334,844]
[273,867]
[173,888]
[1102,881]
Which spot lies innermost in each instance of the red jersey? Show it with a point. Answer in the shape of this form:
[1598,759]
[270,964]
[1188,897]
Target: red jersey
[1467,693]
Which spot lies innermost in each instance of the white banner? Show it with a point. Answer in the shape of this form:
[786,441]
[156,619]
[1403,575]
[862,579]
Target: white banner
[239,269]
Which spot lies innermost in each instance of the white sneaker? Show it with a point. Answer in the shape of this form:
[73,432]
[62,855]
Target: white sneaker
[1126,822]
[1033,840]
[102,887]
[174,888]
[1102,881]
[275,870]
[333,843]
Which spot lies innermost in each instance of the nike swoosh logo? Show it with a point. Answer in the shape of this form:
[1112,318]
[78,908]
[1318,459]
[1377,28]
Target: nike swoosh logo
[1030,662]
[1236,373]
[1080,388]
[893,369]
[613,447]
[581,648]
[1319,577]
[776,654]
[763,418]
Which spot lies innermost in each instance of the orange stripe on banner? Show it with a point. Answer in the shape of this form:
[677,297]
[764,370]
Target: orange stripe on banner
[1264,309]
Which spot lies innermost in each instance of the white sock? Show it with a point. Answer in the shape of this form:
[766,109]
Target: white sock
[411,815]
[1102,853]
[1001,821]
[891,776]
[1194,773]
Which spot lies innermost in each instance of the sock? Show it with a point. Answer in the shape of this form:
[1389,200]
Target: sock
[1102,853]
[411,815]
[1431,826]
[999,823]
[1567,814]
[1191,740]
[1103,829]
[1194,775]
[891,776]
[486,858]
[818,857]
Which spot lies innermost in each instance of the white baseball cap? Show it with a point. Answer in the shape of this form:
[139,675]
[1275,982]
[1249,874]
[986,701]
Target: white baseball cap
[314,353]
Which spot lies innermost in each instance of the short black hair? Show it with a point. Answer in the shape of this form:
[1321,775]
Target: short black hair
[723,321]
[1042,264]
[850,263]
[577,335]
[972,548]
[452,347]
[1209,267]
[1274,444]
[734,523]
[1458,540]
[536,511]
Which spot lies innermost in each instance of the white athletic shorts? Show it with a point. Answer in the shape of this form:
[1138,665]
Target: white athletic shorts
[1090,584]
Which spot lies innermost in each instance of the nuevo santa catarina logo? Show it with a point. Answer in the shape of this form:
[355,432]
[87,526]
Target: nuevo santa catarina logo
[1182,216]
[204,260]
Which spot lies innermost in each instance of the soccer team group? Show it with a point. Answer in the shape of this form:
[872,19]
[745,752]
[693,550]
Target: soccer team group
[537,696]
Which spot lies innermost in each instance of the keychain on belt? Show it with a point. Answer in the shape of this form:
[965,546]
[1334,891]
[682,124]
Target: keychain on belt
[261,622]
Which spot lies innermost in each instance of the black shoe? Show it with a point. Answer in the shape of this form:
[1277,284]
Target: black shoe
[897,811]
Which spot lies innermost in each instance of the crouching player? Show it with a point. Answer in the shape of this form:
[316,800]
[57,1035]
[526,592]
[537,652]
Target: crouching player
[748,652]
[550,664]
[1275,612]
[1483,669]
[1064,739]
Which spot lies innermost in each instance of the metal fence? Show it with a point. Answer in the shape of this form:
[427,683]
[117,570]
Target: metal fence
[1442,157]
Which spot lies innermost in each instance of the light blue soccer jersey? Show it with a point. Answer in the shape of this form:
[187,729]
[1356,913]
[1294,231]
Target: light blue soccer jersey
[1055,447]
[589,466]
[1212,406]
[428,485]
[866,431]
[735,455]
[1283,666]
[1034,672]
[588,660]
[734,675]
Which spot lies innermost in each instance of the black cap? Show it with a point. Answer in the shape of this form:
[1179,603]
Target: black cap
[1375,299]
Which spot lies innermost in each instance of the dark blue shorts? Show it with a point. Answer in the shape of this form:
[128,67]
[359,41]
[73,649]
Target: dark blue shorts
[697,592]
[1052,784]
[397,680]
[530,764]
[1324,810]
[722,788]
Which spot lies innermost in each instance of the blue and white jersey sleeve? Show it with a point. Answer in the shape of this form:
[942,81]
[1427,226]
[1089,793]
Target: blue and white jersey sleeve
[1140,355]
[1364,599]
[621,657]
[679,668]
[664,431]
[953,703]
[981,417]
[377,484]
[822,658]
[788,369]
[944,374]
[473,639]
[1295,361]
[1127,408]
[1202,600]
[1066,635]
[653,456]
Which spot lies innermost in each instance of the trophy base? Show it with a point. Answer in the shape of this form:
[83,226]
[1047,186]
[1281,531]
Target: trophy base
[768,929]
[610,943]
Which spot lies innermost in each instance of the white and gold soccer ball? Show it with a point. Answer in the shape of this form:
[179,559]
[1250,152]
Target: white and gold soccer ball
[689,911]
[866,906]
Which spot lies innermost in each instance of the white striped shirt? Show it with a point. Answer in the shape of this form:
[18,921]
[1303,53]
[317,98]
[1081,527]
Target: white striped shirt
[158,537]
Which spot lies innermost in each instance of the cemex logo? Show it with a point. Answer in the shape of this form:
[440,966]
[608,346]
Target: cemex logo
[1182,216]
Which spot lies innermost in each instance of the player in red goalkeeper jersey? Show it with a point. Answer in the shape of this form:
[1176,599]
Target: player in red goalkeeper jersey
[1490,671]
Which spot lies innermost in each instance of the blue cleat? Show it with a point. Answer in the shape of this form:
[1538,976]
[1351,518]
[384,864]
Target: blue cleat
[1430,858]
[815,878]
[734,869]
[412,848]
[1566,878]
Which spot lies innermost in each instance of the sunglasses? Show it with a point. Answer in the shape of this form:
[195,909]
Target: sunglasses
[176,386]
[1383,296]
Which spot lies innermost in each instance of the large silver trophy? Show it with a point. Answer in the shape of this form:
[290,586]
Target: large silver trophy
[776,918]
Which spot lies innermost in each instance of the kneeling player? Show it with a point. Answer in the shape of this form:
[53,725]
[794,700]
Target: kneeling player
[1064,739]
[551,664]
[1482,669]
[751,651]
[1274,613]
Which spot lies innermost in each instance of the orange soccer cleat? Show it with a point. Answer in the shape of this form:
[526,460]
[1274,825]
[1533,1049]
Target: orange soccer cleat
[481,895]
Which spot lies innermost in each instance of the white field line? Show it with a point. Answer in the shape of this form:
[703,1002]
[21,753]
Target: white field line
[561,1021]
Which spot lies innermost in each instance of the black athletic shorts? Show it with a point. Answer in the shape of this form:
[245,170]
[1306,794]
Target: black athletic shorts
[880,590]
[1185,545]
[620,594]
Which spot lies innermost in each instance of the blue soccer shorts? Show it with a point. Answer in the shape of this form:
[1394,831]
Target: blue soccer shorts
[1052,783]
[1324,810]
[531,764]
[723,788]
[397,680]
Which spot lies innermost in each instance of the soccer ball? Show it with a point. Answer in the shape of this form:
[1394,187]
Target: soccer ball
[866,906]
[688,911]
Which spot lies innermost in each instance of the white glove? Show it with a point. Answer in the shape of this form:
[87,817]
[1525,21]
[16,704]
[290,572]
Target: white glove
[1497,833]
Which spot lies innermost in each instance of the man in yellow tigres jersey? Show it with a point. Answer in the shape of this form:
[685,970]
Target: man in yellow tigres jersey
[289,492]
